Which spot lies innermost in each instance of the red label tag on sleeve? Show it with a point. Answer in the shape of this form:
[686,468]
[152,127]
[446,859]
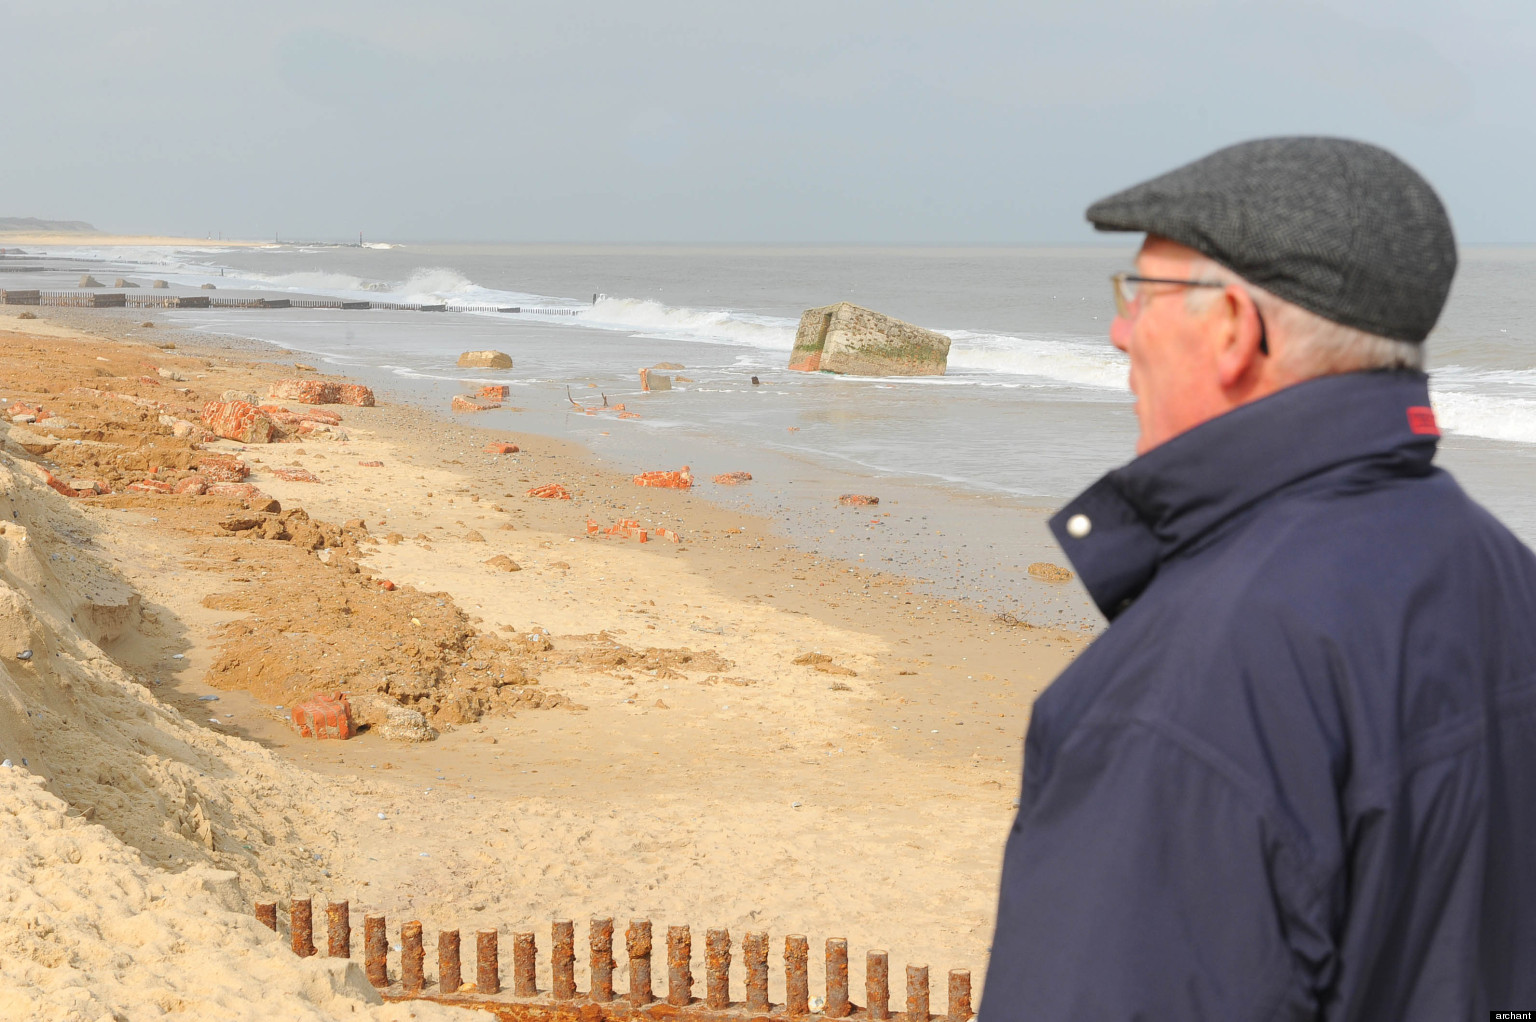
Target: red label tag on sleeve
[1421,420]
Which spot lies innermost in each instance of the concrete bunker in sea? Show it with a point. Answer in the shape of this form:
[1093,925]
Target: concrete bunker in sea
[845,338]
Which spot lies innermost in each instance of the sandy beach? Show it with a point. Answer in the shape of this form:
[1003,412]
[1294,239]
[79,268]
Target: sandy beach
[718,731]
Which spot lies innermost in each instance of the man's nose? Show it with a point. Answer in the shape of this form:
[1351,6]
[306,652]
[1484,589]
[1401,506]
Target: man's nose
[1120,333]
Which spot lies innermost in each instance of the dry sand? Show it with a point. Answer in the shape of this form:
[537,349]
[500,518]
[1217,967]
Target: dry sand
[658,753]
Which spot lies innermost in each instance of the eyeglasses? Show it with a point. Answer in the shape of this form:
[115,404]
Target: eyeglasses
[1127,288]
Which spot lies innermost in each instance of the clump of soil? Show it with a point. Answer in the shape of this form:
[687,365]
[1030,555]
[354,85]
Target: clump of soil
[315,626]
[603,652]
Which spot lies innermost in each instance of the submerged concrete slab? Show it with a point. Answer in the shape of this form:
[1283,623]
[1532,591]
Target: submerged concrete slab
[854,341]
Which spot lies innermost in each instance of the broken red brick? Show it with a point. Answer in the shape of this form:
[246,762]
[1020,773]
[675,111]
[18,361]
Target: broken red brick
[386,585]
[857,500]
[236,420]
[354,394]
[733,478]
[324,716]
[148,486]
[629,415]
[221,468]
[371,464]
[469,404]
[296,475]
[680,480]
[193,485]
[311,392]
[498,392]
[498,448]
[59,486]
[553,491]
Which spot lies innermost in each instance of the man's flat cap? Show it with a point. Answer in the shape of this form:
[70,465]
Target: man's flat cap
[1341,228]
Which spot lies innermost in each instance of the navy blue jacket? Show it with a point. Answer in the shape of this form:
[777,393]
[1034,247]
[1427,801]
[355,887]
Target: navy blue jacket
[1296,777]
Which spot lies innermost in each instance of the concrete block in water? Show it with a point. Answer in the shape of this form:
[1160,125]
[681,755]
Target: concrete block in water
[847,339]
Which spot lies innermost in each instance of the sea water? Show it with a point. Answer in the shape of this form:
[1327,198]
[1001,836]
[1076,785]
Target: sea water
[1033,408]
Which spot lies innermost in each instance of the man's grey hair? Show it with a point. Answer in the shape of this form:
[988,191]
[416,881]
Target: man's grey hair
[1303,342]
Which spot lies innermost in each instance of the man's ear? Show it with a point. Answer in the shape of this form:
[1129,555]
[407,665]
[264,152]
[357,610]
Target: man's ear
[1238,358]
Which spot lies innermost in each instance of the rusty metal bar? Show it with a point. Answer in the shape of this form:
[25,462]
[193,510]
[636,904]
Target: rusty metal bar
[959,995]
[797,980]
[637,942]
[877,984]
[717,968]
[754,949]
[412,957]
[301,927]
[600,936]
[266,914]
[562,958]
[917,993]
[487,969]
[375,950]
[837,978]
[524,963]
[449,976]
[679,974]
[338,929]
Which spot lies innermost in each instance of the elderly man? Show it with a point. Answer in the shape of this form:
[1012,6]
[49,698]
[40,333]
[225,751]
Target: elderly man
[1296,777]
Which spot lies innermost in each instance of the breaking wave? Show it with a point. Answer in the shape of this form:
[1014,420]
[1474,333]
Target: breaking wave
[643,316]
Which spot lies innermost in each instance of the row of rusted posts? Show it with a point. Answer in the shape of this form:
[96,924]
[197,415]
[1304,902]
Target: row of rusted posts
[637,940]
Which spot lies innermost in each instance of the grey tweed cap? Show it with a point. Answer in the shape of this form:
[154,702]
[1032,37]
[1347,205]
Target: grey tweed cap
[1341,228]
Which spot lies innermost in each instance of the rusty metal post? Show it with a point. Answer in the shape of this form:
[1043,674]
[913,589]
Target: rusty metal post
[562,958]
[877,984]
[487,968]
[266,914]
[959,995]
[917,993]
[600,936]
[338,929]
[524,963]
[301,927]
[375,950]
[412,958]
[754,949]
[679,974]
[637,941]
[797,981]
[717,968]
[837,978]
[449,976]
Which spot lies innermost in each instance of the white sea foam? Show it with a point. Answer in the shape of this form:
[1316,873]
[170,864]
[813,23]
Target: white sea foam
[1492,416]
[1066,360]
[643,316]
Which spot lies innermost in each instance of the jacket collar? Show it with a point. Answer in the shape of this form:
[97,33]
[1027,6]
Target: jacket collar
[1148,511]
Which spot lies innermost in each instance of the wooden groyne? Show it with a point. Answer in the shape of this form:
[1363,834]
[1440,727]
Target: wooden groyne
[92,299]
[403,975]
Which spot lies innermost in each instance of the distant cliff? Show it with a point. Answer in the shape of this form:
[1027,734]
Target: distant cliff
[32,223]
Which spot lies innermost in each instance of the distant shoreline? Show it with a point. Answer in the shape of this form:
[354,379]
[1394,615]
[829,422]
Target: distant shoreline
[54,238]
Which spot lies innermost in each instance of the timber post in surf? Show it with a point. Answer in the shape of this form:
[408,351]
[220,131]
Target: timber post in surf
[524,1002]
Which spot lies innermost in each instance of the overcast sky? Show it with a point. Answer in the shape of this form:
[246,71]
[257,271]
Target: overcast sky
[779,121]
